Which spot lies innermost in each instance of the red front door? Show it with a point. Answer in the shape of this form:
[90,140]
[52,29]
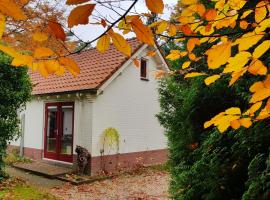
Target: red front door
[58,131]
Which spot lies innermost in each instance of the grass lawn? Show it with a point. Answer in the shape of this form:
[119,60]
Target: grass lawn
[21,191]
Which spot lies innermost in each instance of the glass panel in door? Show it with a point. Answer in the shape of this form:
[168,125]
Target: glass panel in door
[52,129]
[66,136]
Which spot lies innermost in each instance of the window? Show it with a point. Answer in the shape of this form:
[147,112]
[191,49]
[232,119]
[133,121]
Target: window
[143,69]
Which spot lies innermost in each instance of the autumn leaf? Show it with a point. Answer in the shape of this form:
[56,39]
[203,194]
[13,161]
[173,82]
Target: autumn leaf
[42,52]
[151,53]
[211,79]
[57,30]
[40,37]
[120,43]
[161,27]
[70,64]
[261,49]
[2,25]
[235,124]
[156,6]
[188,2]
[218,55]
[246,122]
[210,15]
[9,51]
[142,32]
[257,68]
[159,74]
[136,62]
[10,8]
[260,12]
[103,43]
[236,63]
[256,86]
[248,40]
[194,74]
[260,95]
[22,60]
[233,111]
[191,43]
[75,2]
[186,64]
[80,15]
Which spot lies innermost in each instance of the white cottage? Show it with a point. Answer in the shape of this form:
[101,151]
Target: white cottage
[109,92]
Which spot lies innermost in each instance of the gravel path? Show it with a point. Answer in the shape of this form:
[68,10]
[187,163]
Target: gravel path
[152,185]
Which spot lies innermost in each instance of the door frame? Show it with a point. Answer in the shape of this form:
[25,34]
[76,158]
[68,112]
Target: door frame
[57,155]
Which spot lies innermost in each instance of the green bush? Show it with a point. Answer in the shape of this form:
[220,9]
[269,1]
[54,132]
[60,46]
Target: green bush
[15,91]
[205,164]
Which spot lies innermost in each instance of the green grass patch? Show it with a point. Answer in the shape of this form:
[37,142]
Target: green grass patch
[25,192]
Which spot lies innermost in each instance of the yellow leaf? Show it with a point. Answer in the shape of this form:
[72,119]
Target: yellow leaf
[70,64]
[261,49]
[51,66]
[263,114]
[12,9]
[175,54]
[2,25]
[142,32]
[120,43]
[260,95]
[235,124]
[75,2]
[172,30]
[103,43]
[42,68]
[42,52]
[80,15]
[9,51]
[236,63]
[61,71]
[186,64]
[256,86]
[161,27]
[194,74]
[156,6]
[237,75]
[268,105]
[223,125]
[23,60]
[248,40]
[40,37]
[188,2]
[262,26]
[218,55]
[253,109]
[236,4]
[246,13]
[260,12]
[246,122]
[233,111]
[211,79]
[257,67]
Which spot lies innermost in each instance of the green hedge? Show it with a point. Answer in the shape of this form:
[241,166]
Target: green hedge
[15,91]
[205,164]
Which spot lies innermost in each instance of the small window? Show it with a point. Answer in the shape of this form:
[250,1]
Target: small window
[143,69]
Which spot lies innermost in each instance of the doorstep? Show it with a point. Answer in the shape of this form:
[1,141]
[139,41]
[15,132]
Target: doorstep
[43,168]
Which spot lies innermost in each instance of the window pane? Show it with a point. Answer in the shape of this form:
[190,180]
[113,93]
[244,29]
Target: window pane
[143,68]
[52,129]
[67,124]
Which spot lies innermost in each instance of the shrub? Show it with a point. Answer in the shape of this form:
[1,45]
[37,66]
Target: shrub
[15,91]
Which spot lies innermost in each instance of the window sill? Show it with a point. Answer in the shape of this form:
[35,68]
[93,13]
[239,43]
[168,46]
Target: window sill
[144,79]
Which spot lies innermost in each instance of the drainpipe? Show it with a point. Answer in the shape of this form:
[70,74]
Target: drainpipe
[22,134]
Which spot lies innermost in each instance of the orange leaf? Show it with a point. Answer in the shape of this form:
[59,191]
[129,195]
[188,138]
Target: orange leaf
[42,52]
[10,8]
[235,124]
[2,24]
[57,30]
[246,122]
[75,2]
[210,15]
[191,43]
[151,53]
[80,15]
[257,67]
[136,62]
[244,24]
[156,6]
[142,32]
[70,64]
[103,43]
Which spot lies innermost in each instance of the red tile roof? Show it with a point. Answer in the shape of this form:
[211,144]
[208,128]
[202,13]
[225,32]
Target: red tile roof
[95,68]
